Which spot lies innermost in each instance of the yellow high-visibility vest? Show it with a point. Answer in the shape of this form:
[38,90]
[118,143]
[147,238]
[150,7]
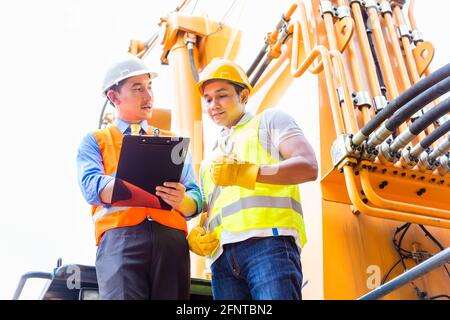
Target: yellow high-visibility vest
[238,209]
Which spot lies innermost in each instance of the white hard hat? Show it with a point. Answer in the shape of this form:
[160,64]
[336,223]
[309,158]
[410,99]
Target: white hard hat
[127,67]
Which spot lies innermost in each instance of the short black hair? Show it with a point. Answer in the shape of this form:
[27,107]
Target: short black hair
[238,87]
[117,86]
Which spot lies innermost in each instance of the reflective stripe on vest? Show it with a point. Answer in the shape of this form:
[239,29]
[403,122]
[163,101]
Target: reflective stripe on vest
[254,202]
[238,209]
[105,211]
[261,201]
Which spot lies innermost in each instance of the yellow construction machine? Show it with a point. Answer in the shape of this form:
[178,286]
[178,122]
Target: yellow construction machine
[378,218]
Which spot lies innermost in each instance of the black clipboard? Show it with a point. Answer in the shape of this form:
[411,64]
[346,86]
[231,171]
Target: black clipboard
[146,162]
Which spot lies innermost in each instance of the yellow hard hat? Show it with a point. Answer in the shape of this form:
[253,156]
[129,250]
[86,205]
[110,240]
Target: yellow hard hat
[223,69]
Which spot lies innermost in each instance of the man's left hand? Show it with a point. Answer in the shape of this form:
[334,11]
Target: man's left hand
[172,193]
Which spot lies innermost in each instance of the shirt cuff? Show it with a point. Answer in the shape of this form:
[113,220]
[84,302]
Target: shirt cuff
[198,202]
[103,183]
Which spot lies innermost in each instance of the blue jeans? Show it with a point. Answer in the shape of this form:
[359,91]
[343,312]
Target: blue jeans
[258,268]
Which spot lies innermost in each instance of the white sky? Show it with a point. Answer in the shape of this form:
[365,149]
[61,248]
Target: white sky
[54,54]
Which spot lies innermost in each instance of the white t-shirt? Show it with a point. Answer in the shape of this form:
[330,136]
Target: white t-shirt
[276,126]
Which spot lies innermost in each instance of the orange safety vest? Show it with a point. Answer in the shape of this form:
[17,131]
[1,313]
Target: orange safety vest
[105,218]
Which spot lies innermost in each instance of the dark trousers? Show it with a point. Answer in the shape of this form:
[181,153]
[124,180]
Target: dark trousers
[146,261]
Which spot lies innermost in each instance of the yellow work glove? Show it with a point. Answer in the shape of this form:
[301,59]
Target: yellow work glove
[200,241]
[228,171]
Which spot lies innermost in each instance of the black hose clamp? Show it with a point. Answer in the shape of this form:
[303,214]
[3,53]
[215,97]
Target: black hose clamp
[385,7]
[361,99]
[379,102]
[326,7]
[417,36]
[370,4]
[404,31]
[360,2]
[342,12]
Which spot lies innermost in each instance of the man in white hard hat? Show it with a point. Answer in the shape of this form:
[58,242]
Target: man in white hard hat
[257,215]
[142,252]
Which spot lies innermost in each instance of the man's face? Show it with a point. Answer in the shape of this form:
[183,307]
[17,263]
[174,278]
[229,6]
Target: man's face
[134,100]
[225,106]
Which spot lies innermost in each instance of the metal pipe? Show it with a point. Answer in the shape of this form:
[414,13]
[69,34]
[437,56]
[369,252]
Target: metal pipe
[365,50]
[30,275]
[354,195]
[349,110]
[381,202]
[407,47]
[298,70]
[329,27]
[280,68]
[383,55]
[271,38]
[397,50]
[413,24]
[416,272]
[274,53]
[411,64]
[349,113]
[302,25]
[355,72]
[412,20]
[376,61]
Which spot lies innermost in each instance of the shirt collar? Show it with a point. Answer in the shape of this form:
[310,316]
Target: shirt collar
[122,125]
[245,118]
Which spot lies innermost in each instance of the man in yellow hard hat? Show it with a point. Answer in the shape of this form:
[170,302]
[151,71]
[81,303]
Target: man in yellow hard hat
[255,229]
[142,252]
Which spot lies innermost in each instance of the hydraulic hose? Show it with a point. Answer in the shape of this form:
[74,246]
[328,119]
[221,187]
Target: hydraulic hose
[430,160]
[408,110]
[420,124]
[285,18]
[405,112]
[190,47]
[374,54]
[261,70]
[258,59]
[431,138]
[399,101]
[441,149]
